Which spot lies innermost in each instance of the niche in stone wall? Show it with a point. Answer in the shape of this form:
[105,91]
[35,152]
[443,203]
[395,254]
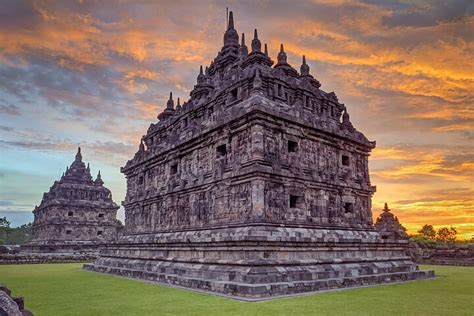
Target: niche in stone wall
[348,207]
[345,160]
[221,150]
[174,168]
[292,146]
[295,201]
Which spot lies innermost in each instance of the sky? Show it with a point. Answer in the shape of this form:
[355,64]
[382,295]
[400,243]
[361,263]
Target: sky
[97,73]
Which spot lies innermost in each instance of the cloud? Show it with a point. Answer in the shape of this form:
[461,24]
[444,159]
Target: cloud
[97,74]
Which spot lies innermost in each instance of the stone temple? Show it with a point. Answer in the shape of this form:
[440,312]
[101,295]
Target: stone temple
[257,186]
[76,215]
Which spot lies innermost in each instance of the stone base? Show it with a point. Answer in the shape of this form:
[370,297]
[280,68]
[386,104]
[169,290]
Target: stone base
[62,247]
[261,262]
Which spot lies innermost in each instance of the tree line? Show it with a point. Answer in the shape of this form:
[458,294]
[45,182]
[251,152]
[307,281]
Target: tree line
[14,236]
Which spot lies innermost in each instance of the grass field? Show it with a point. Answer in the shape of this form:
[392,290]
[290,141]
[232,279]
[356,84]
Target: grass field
[65,289]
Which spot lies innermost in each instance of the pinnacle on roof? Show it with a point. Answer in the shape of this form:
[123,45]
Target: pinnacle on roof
[266,50]
[178,106]
[200,77]
[230,36]
[98,180]
[243,50]
[170,103]
[304,69]
[282,56]
[79,155]
[256,44]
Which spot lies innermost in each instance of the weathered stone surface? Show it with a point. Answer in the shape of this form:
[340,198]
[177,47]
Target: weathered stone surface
[257,186]
[11,306]
[76,215]
[445,255]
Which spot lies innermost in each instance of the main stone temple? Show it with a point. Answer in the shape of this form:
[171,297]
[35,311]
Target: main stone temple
[76,215]
[257,186]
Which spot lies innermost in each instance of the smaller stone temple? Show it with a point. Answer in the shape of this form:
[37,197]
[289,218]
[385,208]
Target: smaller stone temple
[76,215]
[388,225]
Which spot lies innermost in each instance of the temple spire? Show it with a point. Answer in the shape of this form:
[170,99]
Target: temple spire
[243,50]
[231,38]
[230,25]
[266,50]
[304,69]
[98,180]
[282,56]
[170,103]
[256,44]
[200,77]
[178,106]
[78,155]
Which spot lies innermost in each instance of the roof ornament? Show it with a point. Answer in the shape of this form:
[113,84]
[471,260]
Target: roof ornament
[230,36]
[178,106]
[347,122]
[98,180]
[243,50]
[282,56]
[266,50]
[304,69]
[256,44]
[170,103]
[78,155]
[200,77]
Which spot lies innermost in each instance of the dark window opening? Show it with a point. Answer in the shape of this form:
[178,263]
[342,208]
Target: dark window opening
[292,146]
[348,207]
[293,201]
[140,180]
[99,233]
[101,215]
[68,232]
[280,90]
[174,169]
[185,122]
[70,213]
[221,150]
[233,94]
[345,160]
[210,111]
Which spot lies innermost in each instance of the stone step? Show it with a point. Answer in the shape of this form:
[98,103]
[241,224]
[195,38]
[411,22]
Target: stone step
[258,291]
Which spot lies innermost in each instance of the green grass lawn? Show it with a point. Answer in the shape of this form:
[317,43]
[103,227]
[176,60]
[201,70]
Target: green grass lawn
[65,289]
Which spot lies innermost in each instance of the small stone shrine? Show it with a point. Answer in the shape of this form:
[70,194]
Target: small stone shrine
[257,186]
[76,215]
[388,225]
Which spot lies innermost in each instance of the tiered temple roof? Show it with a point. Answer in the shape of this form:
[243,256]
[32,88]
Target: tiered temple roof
[237,75]
[77,184]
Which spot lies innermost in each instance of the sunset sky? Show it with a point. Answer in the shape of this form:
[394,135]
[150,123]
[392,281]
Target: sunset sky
[97,73]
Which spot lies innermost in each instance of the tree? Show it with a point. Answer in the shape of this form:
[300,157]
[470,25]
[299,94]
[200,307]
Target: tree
[4,223]
[4,230]
[447,235]
[428,231]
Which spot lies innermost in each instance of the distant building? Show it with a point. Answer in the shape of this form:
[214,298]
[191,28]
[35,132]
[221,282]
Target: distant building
[77,214]
[389,226]
[257,186]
